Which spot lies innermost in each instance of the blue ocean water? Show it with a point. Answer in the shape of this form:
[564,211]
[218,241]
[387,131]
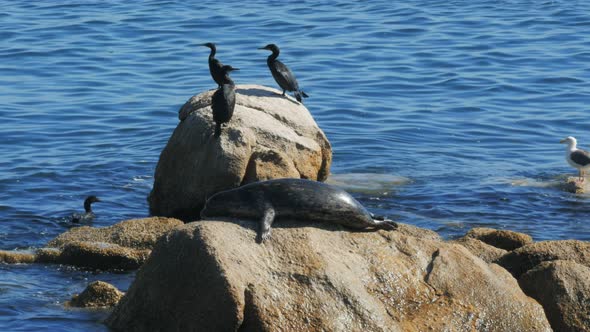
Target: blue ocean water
[466,99]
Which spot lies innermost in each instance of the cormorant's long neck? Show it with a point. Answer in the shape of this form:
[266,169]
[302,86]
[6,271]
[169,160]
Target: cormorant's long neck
[212,54]
[273,56]
[228,80]
[87,206]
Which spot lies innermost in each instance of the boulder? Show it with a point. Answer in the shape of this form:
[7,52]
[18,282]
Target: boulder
[486,252]
[123,246]
[212,276]
[503,239]
[269,136]
[133,233]
[574,185]
[15,257]
[563,288]
[527,257]
[102,256]
[98,294]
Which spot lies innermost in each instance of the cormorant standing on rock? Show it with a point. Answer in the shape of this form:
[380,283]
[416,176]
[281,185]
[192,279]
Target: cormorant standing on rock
[215,65]
[88,215]
[284,77]
[223,100]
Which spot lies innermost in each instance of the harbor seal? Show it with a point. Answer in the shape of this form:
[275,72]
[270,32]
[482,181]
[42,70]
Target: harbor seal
[296,199]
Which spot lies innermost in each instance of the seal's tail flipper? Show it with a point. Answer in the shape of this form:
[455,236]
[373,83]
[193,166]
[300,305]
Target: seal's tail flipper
[383,223]
[300,94]
[265,223]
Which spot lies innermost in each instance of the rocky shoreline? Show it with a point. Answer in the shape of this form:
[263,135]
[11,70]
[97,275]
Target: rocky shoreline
[211,275]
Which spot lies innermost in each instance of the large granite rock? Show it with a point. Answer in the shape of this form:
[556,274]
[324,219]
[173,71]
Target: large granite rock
[212,276]
[563,288]
[269,136]
[527,257]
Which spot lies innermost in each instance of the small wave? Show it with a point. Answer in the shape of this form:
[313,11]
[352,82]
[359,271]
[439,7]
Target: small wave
[368,183]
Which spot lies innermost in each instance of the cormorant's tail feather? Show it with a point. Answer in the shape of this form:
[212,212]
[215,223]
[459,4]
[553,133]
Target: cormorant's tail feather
[217,129]
[299,94]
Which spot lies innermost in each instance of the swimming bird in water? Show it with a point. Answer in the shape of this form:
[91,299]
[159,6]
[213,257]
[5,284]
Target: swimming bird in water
[284,77]
[215,66]
[88,215]
[577,158]
[223,100]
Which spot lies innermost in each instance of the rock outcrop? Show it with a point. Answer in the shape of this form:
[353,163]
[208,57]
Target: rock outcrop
[527,257]
[212,276]
[123,246]
[563,288]
[503,239]
[486,252]
[269,136]
[98,294]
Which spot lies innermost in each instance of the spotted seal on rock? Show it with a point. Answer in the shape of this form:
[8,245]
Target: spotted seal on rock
[292,199]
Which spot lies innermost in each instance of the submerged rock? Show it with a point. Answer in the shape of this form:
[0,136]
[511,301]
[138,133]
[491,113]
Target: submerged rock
[269,136]
[563,288]
[503,239]
[574,185]
[212,276]
[98,294]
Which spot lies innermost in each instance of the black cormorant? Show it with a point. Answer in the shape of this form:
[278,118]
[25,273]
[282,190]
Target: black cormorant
[215,65]
[223,100]
[284,77]
[88,215]
[577,158]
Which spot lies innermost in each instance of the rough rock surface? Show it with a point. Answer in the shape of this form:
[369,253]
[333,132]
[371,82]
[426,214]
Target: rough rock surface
[481,249]
[102,256]
[269,136]
[14,257]
[576,186]
[525,258]
[96,295]
[133,233]
[563,288]
[212,276]
[503,239]
[123,246]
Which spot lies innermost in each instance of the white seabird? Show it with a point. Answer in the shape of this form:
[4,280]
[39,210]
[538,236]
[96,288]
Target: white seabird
[577,158]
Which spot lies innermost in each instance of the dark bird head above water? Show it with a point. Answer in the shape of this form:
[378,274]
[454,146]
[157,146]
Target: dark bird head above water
[88,202]
[211,46]
[271,47]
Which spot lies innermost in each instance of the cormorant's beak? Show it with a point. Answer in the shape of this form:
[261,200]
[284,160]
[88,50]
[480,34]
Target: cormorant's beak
[562,141]
[98,200]
[233,69]
[263,48]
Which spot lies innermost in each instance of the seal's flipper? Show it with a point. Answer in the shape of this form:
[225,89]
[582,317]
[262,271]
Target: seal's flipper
[265,223]
[385,224]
